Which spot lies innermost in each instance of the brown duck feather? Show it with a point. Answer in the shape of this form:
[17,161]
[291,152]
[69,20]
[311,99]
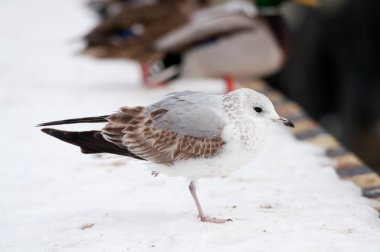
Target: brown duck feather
[155,20]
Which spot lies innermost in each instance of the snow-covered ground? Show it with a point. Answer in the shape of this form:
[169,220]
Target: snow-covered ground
[53,198]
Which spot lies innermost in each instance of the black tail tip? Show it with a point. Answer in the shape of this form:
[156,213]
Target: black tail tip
[43,124]
[47,131]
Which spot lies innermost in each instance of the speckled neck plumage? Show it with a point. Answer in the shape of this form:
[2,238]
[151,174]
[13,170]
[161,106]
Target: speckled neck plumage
[246,130]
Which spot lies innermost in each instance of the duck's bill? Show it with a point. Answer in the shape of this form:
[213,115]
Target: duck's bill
[285,122]
[312,3]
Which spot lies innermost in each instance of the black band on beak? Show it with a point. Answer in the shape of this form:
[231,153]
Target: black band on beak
[289,124]
[286,122]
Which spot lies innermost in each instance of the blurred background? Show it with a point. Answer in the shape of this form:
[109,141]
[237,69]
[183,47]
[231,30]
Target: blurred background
[334,71]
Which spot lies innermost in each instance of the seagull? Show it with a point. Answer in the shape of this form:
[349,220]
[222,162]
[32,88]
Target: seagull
[189,134]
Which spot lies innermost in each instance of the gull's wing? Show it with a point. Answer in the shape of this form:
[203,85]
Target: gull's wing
[181,126]
[206,25]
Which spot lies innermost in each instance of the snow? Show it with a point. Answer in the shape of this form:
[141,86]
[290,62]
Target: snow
[53,198]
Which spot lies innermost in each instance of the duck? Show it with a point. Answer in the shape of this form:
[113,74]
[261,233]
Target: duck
[131,33]
[237,39]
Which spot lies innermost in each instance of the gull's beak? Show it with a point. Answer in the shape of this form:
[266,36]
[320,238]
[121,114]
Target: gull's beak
[311,3]
[285,122]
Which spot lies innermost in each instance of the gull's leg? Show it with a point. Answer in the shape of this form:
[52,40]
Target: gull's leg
[201,214]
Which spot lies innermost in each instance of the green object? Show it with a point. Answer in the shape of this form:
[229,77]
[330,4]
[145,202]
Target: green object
[268,3]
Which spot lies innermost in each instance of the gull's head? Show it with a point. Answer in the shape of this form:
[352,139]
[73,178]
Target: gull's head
[256,105]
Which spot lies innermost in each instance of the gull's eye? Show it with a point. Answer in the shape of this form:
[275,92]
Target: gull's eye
[258,109]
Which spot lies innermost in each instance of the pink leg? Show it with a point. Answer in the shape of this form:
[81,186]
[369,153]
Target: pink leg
[230,84]
[144,71]
[201,214]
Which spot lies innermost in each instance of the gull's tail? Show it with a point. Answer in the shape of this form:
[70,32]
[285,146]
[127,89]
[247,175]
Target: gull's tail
[90,142]
[95,119]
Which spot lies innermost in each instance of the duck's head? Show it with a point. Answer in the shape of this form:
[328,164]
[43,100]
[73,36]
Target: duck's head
[275,4]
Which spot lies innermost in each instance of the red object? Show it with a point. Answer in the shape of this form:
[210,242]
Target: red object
[144,72]
[145,67]
[230,84]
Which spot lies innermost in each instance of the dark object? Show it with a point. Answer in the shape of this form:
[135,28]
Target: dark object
[90,142]
[333,72]
[95,119]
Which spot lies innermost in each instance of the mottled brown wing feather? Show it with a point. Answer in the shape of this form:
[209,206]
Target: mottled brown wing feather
[131,128]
